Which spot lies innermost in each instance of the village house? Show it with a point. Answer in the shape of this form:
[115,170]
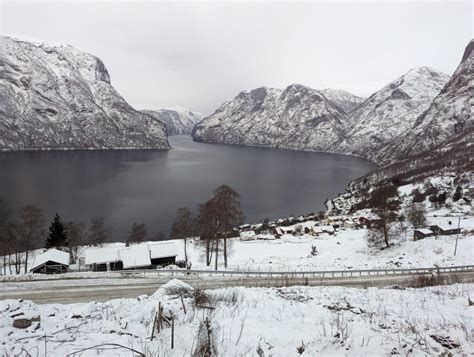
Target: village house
[52,261]
[445,229]
[421,233]
[247,235]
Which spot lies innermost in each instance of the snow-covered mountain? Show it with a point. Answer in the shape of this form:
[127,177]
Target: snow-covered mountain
[390,112]
[56,97]
[347,101]
[307,119]
[449,115]
[297,117]
[177,120]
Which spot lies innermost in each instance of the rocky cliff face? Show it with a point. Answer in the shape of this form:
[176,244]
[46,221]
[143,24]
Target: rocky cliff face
[177,121]
[57,97]
[297,117]
[389,113]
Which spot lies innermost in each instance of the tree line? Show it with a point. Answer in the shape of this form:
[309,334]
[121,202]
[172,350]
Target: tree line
[27,230]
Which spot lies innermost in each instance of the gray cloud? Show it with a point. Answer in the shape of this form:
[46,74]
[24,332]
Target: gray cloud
[197,55]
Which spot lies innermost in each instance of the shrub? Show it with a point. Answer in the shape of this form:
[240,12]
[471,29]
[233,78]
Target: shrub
[418,196]
[422,281]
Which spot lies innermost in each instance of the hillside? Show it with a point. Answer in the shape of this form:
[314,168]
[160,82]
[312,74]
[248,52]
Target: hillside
[297,117]
[57,97]
[390,112]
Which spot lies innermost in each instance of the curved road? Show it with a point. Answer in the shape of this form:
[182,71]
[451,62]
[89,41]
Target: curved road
[101,289]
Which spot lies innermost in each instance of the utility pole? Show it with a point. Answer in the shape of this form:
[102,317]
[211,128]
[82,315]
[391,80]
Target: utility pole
[457,236]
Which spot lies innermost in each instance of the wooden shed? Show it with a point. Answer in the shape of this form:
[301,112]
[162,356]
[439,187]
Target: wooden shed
[422,233]
[52,261]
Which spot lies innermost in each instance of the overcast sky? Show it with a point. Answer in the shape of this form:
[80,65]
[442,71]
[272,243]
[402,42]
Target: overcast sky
[197,55]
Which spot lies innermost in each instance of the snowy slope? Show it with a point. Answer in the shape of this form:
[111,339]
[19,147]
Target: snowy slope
[390,112]
[177,121]
[318,321]
[57,97]
[449,115]
[347,101]
[297,117]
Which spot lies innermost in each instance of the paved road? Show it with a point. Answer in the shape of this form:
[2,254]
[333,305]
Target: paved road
[86,290]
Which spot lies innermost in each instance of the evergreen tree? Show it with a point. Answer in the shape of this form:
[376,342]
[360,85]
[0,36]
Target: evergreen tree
[57,234]
[458,194]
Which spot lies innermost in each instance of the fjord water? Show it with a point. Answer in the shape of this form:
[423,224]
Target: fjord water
[148,186]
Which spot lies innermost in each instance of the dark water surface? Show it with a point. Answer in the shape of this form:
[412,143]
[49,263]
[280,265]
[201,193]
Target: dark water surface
[148,186]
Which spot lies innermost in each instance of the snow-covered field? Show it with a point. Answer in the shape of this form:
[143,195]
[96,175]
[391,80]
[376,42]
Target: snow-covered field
[252,321]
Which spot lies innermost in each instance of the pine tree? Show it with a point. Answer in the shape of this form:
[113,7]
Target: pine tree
[57,234]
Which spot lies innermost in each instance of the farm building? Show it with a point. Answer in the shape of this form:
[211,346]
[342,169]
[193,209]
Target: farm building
[422,233]
[136,256]
[445,229]
[144,255]
[104,259]
[162,253]
[52,261]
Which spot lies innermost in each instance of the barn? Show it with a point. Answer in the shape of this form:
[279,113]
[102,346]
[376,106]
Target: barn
[136,256]
[52,261]
[445,229]
[104,259]
[162,253]
[422,233]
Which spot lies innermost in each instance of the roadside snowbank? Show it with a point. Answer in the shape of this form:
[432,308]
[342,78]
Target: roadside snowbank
[318,320]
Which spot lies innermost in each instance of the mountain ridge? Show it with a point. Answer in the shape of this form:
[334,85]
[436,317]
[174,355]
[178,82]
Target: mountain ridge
[58,97]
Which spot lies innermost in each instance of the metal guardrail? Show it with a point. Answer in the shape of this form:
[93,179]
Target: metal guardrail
[306,274]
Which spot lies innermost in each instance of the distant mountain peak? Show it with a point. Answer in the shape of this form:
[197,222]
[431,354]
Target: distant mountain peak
[177,121]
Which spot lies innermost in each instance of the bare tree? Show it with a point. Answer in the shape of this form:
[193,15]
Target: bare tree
[75,233]
[138,233]
[32,225]
[159,236]
[416,215]
[98,233]
[228,213]
[205,226]
[384,229]
[4,243]
[182,228]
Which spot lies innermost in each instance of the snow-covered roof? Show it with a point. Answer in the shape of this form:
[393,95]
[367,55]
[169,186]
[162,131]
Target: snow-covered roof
[102,255]
[53,255]
[317,229]
[135,256]
[327,228]
[448,227]
[247,234]
[162,249]
[424,230]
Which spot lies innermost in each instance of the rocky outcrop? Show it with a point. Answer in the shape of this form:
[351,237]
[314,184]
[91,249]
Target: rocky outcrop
[57,97]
